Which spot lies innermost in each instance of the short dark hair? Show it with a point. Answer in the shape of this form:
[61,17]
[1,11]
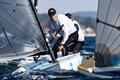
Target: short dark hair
[51,12]
[69,15]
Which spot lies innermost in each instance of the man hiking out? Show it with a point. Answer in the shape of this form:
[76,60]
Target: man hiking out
[68,32]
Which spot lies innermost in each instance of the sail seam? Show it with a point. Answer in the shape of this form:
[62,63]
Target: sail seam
[25,19]
[8,40]
[109,25]
[16,21]
[96,21]
[104,25]
[118,28]
[115,40]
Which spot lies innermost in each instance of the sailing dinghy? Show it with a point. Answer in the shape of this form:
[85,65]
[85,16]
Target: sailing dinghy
[21,36]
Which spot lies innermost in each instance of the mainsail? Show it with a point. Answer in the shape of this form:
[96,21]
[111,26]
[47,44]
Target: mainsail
[108,33]
[20,34]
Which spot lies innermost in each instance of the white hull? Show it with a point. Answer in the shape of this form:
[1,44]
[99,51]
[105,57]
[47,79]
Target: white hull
[69,62]
[66,63]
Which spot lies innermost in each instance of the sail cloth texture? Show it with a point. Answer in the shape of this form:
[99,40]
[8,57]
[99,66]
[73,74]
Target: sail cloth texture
[108,33]
[20,34]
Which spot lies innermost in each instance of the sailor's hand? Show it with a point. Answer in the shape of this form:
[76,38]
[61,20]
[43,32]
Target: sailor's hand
[60,47]
[53,35]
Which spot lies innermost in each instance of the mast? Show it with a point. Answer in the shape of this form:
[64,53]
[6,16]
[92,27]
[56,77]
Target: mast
[34,11]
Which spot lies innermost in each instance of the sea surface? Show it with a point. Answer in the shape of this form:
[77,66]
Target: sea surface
[7,68]
[89,44]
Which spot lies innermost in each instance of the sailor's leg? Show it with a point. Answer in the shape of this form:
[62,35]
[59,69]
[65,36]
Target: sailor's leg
[69,43]
[63,52]
[77,47]
[55,50]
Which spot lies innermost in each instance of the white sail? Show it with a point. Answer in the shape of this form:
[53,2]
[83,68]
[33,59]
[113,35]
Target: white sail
[108,33]
[20,34]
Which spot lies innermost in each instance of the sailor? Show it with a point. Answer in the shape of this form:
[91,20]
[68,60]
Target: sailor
[68,31]
[80,42]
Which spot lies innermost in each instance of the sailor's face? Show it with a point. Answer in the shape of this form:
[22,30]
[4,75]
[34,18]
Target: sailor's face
[53,18]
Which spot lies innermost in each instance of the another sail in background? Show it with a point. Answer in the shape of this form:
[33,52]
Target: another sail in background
[108,33]
[20,34]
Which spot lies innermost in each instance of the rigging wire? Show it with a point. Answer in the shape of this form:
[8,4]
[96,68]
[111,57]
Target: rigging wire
[104,25]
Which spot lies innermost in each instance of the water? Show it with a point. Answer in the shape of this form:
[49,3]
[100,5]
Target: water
[89,45]
[6,69]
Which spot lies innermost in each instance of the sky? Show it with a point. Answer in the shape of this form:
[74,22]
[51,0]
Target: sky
[64,6]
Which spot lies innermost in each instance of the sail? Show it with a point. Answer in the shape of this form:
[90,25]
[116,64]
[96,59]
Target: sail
[107,52]
[20,34]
